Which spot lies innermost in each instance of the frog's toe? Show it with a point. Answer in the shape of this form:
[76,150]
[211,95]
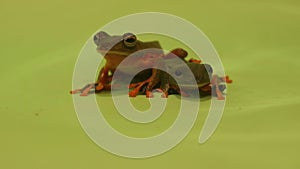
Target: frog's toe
[164,95]
[133,93]
[84,94]
[99,87]
[75,91]
[227,79]
[164,92]
[149,94]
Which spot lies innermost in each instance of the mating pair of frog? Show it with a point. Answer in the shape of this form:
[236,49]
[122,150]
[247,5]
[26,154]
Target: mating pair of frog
[117,48]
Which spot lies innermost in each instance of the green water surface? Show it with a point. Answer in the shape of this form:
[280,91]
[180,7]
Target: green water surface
[258,42]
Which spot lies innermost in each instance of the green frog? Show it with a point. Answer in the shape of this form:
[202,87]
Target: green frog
[115,48]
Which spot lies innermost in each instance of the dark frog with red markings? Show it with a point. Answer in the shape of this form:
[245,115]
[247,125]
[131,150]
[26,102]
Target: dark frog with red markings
[118,47]
[115,49]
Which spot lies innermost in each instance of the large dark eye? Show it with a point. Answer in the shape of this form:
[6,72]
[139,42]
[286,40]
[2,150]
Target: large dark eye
[129,40]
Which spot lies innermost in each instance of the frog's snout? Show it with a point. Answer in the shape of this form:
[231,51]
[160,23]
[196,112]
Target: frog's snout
[96,40]
[208,68]
[100,35]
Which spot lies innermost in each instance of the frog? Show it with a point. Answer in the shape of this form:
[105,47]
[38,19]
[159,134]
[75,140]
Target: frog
[115,48]
[207,82]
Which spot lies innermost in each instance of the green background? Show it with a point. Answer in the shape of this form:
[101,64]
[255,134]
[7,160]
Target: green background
[258,42]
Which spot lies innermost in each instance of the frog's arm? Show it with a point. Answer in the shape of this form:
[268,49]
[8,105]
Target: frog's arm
[179,52]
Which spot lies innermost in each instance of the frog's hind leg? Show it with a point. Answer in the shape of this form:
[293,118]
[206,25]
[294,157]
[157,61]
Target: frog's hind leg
[86,89]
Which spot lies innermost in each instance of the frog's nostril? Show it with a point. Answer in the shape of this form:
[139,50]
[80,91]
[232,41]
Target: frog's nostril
[95,38]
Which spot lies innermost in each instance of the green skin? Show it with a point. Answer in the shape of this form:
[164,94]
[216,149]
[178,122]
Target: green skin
[116,48]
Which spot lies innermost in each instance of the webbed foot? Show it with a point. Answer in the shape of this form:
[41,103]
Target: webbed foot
[84,91]
[217,89]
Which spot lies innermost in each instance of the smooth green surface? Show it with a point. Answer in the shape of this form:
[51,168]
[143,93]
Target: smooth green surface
[258,42]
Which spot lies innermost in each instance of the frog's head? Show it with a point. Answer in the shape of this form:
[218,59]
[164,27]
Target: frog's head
[117,45]
[202,73]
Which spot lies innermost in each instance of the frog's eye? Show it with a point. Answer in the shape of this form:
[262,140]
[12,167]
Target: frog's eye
[129,40]
[178,72]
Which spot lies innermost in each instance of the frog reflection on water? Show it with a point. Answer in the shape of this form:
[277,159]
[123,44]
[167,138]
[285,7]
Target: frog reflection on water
[116,48]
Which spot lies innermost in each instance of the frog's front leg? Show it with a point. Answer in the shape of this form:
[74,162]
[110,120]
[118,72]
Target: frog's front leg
[163,79]
[158,77]
[137,87]
[150,82]
[104,80]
